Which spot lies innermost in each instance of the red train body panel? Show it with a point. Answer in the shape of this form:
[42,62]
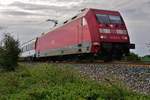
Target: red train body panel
[93,31]
[65,39]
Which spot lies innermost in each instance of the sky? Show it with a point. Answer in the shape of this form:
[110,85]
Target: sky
[26,19]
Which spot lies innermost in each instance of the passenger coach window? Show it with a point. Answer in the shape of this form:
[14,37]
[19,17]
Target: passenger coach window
[102,18]
[115,19]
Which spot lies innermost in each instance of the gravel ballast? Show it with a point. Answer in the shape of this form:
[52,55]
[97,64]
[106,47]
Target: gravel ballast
[137,78]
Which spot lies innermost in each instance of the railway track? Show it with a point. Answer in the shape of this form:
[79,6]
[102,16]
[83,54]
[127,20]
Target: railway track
[127,63]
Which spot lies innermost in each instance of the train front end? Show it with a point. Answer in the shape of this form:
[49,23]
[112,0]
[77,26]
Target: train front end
[112,40]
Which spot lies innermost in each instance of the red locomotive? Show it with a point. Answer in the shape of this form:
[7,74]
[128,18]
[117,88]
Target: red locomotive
[92,32]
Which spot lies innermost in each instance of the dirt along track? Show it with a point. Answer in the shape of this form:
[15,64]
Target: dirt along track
[136,76]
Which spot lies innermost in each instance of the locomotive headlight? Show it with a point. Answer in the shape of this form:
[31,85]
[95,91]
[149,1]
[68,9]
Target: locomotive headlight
[104,30]
[103,37]
[96,43]
[124,37]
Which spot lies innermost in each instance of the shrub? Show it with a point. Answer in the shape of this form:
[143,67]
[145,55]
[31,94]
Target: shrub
[9,52]
[132,57]
[146,58]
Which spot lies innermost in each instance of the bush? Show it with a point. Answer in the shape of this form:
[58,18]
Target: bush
[132,57]
[9,53]
[146,58]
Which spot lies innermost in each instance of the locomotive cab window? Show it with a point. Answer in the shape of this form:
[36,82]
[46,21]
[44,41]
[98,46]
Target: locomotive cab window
[107,19]
[115,19]
[104,19]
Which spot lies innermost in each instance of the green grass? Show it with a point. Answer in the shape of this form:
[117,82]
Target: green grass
[146,58]
[49,82]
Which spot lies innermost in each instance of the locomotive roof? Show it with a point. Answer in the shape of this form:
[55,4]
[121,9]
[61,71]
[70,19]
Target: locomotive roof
[82,13]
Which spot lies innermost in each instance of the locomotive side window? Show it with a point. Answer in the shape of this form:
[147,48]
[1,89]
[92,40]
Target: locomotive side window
[103,18]
[115,19]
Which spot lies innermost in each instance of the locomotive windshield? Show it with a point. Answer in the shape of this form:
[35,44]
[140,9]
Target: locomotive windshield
[103,18]
[107,19]
[115,19]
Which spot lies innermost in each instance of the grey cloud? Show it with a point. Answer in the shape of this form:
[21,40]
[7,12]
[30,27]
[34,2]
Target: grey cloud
[148,3]
[44,9]
[67,0]
[136,10]
[29,6]
[18,13]
[135,14]
[2,27]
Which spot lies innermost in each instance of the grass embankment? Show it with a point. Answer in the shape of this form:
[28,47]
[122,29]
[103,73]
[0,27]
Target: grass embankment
[49,82]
